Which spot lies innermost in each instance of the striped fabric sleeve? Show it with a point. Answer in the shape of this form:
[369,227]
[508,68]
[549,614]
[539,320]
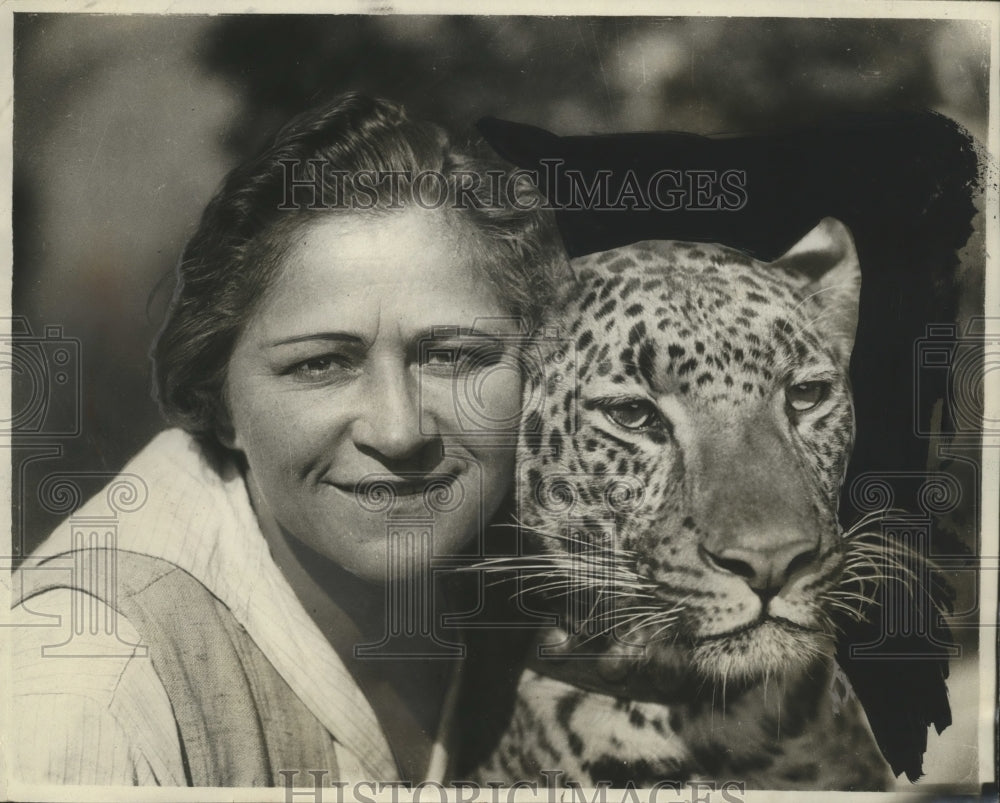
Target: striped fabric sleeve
[92,713]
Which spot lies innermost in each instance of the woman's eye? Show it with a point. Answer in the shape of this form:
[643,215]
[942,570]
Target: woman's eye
[316,368]
[806,395]
[636,414]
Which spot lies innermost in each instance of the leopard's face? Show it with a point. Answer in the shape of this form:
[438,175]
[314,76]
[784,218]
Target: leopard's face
[686,464]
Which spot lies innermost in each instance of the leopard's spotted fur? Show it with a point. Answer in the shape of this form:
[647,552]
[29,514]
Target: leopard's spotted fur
[681,481]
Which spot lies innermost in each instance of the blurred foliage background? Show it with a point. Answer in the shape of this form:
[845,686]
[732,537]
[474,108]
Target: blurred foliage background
[124,126]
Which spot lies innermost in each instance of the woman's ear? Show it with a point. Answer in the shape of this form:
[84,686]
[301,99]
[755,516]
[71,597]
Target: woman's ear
[224,431]
[222,421]
[825,263]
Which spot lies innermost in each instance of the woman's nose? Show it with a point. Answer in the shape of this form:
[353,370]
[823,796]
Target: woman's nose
[390,423]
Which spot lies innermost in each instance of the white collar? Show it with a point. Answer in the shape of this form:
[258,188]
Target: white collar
[185,511]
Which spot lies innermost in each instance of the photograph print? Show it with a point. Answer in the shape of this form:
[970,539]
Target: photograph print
[479,406]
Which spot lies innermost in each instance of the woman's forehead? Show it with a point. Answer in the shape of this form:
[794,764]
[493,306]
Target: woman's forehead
[405,267]
[388,244]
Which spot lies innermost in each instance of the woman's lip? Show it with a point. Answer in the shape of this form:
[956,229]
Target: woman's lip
[398,485]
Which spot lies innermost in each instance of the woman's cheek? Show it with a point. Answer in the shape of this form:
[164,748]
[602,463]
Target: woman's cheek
[491,399]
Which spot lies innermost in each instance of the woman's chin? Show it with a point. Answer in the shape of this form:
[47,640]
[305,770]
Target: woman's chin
[382,551]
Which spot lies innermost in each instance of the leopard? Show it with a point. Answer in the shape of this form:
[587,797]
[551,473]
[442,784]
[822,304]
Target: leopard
[681,467]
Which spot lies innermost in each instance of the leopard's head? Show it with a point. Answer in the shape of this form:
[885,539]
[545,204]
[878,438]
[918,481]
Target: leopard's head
[684,464]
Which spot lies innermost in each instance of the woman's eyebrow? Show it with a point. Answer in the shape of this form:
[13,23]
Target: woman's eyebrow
[340,337]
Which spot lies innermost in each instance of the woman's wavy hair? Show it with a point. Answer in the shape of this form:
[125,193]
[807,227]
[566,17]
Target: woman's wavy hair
[236,252]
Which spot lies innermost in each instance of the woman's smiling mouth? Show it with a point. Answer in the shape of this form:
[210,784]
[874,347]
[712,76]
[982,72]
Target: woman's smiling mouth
[374,485]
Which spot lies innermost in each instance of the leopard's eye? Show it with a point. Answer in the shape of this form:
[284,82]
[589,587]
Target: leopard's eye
[633,414]
[806,395]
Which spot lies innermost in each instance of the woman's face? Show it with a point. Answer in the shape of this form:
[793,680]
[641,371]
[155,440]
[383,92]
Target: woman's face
[379,353]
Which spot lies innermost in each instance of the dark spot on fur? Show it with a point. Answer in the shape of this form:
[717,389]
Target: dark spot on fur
[630,287]
[607,307]
[647,356]
[534,478]
[621,774]
[687,367]
[636,333]
[590,298]
[611,285]
[564,712]
[555,440]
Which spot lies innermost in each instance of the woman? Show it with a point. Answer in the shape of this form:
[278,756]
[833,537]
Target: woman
[340,363]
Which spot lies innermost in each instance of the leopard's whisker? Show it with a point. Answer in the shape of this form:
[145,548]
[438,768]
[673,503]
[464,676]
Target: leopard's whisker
[666,626]
[647,620]
[855,613]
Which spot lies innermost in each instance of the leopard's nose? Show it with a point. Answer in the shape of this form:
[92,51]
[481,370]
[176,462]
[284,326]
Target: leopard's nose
[765,570]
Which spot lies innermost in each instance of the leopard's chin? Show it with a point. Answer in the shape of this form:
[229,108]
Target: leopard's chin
[769,648]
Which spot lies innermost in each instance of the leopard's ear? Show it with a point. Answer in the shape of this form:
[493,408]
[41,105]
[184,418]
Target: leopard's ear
[826,263]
